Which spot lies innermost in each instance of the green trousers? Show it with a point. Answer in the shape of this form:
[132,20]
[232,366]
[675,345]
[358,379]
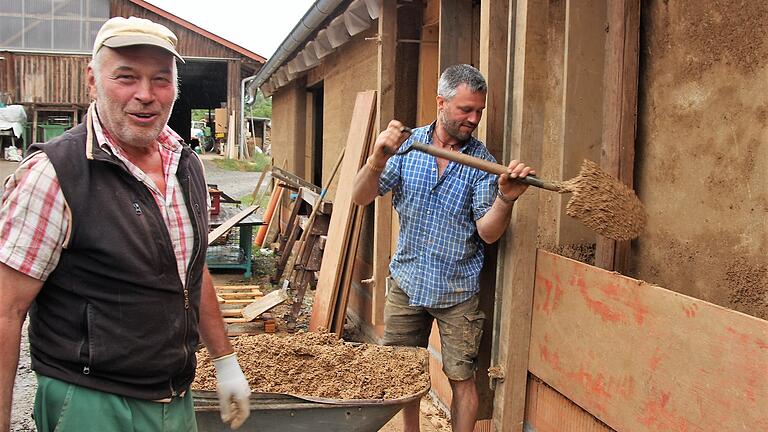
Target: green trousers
[64,407]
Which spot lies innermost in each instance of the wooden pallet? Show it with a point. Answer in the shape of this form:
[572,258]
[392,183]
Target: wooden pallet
[234,298]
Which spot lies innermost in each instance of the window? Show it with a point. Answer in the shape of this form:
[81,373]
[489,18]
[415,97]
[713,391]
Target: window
[51,25]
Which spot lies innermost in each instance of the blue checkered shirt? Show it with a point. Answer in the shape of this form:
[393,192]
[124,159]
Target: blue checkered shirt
[439,253]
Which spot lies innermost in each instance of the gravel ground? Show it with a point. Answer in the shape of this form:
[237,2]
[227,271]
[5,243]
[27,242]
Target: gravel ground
[233,183]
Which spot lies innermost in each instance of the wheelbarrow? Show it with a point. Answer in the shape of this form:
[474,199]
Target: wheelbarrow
[288,413]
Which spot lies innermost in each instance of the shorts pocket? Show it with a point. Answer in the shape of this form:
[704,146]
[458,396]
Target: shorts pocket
[473,332]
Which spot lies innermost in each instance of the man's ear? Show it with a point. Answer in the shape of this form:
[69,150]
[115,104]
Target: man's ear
[440,102]
[91,83]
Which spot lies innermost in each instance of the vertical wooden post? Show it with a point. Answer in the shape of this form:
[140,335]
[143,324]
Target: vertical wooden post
[494,17]
[233,100]
[455,33]
[382,220]
[582,103]
[619,113]
[517,268]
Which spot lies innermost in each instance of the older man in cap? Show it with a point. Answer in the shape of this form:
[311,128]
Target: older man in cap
[103,235]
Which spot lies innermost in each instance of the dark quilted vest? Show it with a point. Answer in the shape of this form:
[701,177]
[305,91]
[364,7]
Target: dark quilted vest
[113,315]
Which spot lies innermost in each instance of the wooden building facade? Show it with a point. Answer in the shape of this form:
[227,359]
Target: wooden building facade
[50,82]
[669,97]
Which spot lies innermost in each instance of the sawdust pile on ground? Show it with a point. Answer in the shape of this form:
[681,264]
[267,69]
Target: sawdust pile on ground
[604,204]
[320,365]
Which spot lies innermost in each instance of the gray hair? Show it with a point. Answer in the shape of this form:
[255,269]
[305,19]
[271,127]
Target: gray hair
[459,74]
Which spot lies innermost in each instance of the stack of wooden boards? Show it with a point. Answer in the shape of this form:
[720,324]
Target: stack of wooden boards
[335,277]
[241,304]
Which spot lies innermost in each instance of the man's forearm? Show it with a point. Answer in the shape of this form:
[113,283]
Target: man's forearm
[211,326]
[366,185]
[491,226]
[10,339]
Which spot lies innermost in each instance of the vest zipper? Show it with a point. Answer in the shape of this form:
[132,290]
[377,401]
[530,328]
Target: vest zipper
[193,219]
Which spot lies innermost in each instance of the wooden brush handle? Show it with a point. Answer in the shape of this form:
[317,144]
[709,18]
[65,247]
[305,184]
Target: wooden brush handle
[481,164]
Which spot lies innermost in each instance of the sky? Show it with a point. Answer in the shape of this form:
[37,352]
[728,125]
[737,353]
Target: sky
[257,25]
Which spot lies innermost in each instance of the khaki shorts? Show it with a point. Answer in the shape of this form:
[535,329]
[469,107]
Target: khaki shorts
[461,328]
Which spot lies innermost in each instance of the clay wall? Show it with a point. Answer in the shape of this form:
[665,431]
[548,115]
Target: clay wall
[702,160]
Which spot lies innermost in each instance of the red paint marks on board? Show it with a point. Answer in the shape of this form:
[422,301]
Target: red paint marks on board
[761,344]
[593,384]
[610,290]
[655,359]
[657,414]
[551,358]
[553,293]
[742,338]
[692,310]
[639,310]
[598,307]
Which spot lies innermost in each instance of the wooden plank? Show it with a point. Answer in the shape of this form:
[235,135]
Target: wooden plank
[253,310]
[239,288]
[234,313]
[338,233]
[494,17]
[288,240]
[231,222]
[382,208]
[228,320]
[546,410]
[340,309]
[527,70]
[582,107]
[241,301]
[619,113]
[455,44]
[640,357]
[313,199]
[239,295]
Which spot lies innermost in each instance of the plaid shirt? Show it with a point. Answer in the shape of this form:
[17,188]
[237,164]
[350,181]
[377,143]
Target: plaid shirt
[35,219]
[439,254]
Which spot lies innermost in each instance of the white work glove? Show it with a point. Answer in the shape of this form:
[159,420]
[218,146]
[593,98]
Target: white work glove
[233,390]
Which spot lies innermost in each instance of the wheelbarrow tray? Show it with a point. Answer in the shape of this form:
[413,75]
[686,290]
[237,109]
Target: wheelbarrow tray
[290,413]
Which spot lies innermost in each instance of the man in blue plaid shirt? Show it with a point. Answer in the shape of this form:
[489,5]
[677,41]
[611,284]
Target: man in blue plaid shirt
[447,212]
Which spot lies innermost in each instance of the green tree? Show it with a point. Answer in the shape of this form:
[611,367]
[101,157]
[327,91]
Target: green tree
[262,107]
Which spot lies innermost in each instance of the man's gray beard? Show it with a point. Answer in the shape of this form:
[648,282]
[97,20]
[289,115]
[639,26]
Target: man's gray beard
[452,129]
[125,136]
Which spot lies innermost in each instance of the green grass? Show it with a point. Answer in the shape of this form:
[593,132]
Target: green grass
[256,164]
[247,200]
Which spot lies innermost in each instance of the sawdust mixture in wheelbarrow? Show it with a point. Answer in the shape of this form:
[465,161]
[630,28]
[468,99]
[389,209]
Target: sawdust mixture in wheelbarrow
[321,365]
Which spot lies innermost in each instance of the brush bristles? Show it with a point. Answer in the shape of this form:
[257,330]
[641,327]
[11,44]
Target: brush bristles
[604,204]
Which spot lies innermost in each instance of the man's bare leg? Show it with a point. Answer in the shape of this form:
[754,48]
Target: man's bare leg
[464,405]
[411,414]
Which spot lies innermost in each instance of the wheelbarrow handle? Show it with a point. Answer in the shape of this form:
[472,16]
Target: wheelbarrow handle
[481,164]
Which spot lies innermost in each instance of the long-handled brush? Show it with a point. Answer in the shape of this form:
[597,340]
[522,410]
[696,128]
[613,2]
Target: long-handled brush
[599,201]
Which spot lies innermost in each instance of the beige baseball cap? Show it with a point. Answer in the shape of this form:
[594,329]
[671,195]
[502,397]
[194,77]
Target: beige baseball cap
[122,32]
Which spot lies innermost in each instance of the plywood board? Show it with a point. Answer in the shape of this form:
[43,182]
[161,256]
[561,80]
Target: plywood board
[226,226]
[643,358]
[253,310]
[338,233]
[546,410]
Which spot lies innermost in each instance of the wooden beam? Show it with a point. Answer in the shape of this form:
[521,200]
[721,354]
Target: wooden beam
[528,21]
[355,153]
[582,104]
[382,217]
[455,44]
[619,114]
[263,304]
[494,19]
[644,358]
[231,222]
